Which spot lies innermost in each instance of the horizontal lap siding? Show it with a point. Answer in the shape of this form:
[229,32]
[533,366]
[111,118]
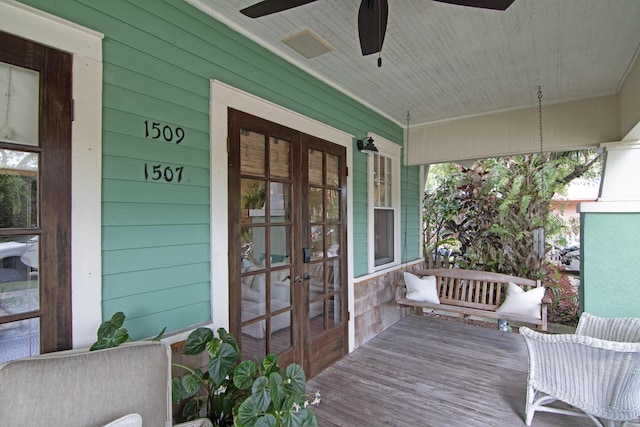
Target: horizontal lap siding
[158,59]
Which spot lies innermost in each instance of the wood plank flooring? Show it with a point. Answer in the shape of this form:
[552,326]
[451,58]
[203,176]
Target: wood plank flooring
[433,373]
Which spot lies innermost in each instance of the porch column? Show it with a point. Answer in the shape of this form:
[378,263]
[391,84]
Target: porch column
[610,237]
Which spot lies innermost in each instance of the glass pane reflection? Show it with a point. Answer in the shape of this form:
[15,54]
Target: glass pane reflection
[333,205]
[317,242]
[335,313]
[333,176]
[280,333]
[315,167]
[20,105]
[18,189]
[279,158]
[19,339]
[252,153]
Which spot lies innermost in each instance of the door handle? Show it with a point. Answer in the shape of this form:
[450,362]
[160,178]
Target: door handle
[308,276]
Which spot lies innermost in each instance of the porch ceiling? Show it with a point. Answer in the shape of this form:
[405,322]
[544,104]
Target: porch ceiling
[441,61]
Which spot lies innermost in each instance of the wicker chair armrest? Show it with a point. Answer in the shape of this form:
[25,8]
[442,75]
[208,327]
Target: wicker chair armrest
[588,373]
[621,329]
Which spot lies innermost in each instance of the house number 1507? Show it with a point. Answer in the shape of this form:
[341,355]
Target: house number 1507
[160,172]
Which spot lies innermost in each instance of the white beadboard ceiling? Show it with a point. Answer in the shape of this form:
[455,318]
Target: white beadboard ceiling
[441,61]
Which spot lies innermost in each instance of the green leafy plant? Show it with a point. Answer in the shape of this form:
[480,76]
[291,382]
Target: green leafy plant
[112,334]
[277,399]
[242,394]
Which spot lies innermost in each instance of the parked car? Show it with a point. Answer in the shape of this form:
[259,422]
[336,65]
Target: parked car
[570,258]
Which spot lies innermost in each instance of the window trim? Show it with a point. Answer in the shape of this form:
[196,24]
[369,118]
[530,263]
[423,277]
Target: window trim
[392,151]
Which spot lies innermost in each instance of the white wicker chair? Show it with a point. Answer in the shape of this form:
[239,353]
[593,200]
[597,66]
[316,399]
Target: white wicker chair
[597,370]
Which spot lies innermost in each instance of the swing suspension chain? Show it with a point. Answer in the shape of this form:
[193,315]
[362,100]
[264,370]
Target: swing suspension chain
[540,116]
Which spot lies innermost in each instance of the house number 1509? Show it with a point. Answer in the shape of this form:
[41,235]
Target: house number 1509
[160,172]
[154,130]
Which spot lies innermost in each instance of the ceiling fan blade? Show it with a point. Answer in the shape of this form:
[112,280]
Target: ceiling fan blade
[484,4]
[267,7]
[372,25]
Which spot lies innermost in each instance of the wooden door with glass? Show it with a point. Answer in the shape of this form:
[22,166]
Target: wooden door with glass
[287,232]
[35,198]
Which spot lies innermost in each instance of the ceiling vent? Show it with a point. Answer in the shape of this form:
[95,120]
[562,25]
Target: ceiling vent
[308,44]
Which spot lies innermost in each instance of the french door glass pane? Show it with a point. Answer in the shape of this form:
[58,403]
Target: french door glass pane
[252,153]
[19,105]
[317,242]
[316,167]
[333,275]
[316,207]
[335,316]
[19,339]
[18,189]
[279,158]
[280,201]
[19,284]
[333,205]
[281,332]
[280,241]
[333,170]
[333,240]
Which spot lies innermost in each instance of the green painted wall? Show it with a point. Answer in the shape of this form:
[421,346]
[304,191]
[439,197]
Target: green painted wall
[159,57]
[610,263]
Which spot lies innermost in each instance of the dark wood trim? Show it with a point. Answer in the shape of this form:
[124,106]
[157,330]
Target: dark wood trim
[54,228]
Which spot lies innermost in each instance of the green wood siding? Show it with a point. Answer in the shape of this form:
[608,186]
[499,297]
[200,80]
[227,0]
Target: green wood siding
[609,264]
[159,57]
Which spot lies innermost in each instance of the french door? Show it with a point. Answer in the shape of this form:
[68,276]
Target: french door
[35,198]
[287,231]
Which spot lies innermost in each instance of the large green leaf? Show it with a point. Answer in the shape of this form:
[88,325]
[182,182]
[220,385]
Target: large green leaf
[299,418]
[221,364]
[269,364]
[191,408]
[197,341]
[267,420]
[260,394]
[295,378]
[247,414]
[278,393]
[190,385]
[243,374]
[228,338]
[176,390]
[110,326]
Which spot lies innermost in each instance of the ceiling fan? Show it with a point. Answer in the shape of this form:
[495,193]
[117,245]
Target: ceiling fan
[372,16]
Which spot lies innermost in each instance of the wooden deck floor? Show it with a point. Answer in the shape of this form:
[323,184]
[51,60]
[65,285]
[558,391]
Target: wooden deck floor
[432,373]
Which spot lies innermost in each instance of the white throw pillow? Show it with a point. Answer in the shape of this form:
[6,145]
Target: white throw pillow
[522,303]
[421,289]
[131,420]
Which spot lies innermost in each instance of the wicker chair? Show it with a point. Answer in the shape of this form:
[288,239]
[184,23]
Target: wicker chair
[597,370]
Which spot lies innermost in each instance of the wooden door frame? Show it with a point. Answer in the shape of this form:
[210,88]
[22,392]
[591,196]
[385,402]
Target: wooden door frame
[301,143]
[54,204]
[85,46]
[223,97]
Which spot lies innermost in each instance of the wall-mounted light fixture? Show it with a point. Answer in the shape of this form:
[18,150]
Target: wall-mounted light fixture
[367,148]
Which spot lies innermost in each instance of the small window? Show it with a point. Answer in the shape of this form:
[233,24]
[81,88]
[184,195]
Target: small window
[384,205]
